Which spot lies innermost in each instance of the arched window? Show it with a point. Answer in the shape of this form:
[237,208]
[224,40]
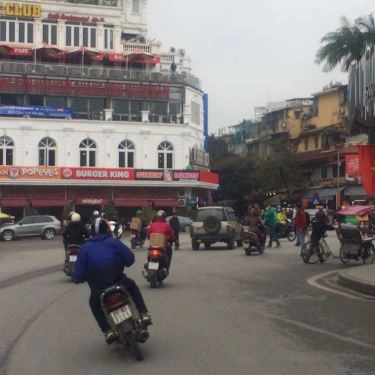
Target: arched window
[126,154]
[165,155]
[6,151]
[87,153]
[47,151]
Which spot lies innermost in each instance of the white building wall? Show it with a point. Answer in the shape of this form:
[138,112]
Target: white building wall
[68,134]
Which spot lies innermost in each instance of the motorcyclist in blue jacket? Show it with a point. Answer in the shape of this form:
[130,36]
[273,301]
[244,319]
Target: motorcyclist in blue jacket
[101,263]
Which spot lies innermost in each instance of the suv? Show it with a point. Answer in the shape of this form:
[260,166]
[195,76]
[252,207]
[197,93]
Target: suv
[215,224]
[38,225]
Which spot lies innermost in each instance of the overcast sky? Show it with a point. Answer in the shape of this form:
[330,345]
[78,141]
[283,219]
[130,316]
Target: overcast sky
[247,53]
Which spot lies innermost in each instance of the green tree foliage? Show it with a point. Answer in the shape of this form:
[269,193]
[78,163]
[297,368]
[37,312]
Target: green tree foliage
[280,172]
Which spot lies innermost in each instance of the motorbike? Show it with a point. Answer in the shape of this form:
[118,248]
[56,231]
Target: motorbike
[136,239]
[251,242]
[156,267]
[286,231]
[123,318]
[71,253]
[116,229]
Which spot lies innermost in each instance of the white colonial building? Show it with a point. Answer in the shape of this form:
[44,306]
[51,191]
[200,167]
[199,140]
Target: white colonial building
[92,113]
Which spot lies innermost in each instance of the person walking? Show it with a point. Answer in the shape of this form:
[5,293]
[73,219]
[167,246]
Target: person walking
[301,224]
[271,220]
[174,222]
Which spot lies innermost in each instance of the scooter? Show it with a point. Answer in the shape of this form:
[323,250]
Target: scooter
[156,267]
[124,319]
[252,244]
[136,239]
[71,253]
[116,229]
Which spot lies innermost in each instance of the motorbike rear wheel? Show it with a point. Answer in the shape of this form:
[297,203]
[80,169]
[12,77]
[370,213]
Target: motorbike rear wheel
[368,255]
[291,235]
[153,280]
[133,345]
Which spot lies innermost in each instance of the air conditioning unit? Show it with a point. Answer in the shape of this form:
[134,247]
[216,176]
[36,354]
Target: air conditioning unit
[181,194]
[182,202]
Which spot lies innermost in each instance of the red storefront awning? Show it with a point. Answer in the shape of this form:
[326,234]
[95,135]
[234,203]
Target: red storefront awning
[50,52]
[92,201]
[14,203]
[165,203]
[116,57]
[20,51]
[83,51]
[138,56]
[49,203]
[130,203]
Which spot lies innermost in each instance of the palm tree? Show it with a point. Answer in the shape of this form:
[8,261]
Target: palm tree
[367,26]
[344,46]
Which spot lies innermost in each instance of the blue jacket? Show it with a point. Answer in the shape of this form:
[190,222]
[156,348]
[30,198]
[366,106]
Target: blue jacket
[101,261]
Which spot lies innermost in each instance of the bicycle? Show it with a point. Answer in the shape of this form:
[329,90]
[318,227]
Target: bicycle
[314,252]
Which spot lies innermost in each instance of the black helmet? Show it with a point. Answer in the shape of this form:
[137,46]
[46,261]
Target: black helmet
[100,226]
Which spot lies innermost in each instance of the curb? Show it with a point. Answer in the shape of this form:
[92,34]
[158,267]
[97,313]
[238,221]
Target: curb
[360,285]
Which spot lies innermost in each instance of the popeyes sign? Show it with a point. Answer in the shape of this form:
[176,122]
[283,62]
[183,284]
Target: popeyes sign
[20,10]
[40,172]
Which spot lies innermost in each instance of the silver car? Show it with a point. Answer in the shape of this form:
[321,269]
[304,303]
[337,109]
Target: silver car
[44,226]
[185,222]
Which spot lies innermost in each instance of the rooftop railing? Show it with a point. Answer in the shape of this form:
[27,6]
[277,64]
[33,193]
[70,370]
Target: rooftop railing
[97,72]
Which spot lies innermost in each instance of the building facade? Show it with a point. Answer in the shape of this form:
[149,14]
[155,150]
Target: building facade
[93,113]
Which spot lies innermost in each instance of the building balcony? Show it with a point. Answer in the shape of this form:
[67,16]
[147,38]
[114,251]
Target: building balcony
[96,73]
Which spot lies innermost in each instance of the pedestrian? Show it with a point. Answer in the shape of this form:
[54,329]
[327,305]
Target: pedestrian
[301,223]
[174,222]
[270,220]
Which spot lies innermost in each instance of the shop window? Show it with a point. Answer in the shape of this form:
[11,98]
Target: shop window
[47,152]
[6,151]
[87,153]
[126,151]
[165,155]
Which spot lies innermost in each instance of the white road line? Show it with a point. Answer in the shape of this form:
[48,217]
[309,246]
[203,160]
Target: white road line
[313,282]
[346,339]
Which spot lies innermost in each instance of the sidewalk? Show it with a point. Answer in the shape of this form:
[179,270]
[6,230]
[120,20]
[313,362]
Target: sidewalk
[361,278]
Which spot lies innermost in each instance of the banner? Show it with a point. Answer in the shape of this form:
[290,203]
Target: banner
[352,167]
[367,168]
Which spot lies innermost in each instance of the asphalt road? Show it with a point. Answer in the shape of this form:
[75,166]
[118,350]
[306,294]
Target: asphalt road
[219,312]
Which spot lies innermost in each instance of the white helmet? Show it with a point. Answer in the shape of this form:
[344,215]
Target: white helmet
[76,217]
[161,213]
[96,213]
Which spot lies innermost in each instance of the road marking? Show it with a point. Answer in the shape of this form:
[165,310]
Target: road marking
[313,281]
[346,339]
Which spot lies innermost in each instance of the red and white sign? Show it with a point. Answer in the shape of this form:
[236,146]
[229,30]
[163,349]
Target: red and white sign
[97,174]
[352,167]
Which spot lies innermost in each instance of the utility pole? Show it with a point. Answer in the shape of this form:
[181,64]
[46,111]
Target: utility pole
[338,195]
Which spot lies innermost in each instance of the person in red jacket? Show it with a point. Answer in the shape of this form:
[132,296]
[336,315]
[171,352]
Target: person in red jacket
[301,223]
[159,225]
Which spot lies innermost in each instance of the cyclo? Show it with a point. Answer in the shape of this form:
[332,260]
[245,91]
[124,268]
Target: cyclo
[353,246]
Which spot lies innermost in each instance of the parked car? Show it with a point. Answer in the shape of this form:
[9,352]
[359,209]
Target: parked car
[185,222]
[216,224]
[37,225]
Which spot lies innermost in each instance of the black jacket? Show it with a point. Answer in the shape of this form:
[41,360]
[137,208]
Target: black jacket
[75,233]
[175,224]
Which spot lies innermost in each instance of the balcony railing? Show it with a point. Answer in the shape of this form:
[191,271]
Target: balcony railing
[97,72]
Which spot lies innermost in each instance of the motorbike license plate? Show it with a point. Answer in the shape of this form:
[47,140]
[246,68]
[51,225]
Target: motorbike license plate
[121,314]
[153,266]
[72,258]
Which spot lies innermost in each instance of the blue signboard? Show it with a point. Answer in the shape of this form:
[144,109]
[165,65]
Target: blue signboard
[34,111]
